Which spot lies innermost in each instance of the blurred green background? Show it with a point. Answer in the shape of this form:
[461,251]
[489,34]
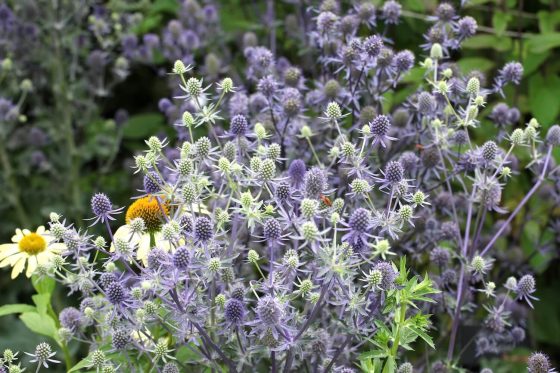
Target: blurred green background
[101,153]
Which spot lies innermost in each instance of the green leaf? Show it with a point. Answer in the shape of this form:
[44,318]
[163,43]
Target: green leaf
[544,42]
[498,43]
[390,365]
[142,125]
[9,309]
[548,20]
[500,21]
[42,302]
[43,285]
[469,64]
[84,363]
[373,354]
[422,334]
[544,98]
[40,324]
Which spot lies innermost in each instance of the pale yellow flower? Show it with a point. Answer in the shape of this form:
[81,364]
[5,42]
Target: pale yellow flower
[141,242]
[34,248]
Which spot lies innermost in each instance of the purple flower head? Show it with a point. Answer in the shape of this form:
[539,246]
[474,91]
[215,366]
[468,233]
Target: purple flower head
[296,171]
[403,61]
[203,229]
[379,128]
[234,311]
[102,208]
[267,86]
[181,258]
[394,172]
[539,363]
[116,293]
[445,12]
[372,46]
[391,12]
[314,182]
[71,319]
[388,275]
[511,73]
[272,230]
[120,338]
[466,27]
[152,183]
[270,311]
[238,125]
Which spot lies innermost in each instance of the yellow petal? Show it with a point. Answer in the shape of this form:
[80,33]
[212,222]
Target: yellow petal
[122,233]
[8,249]
[10,261]
[18,267]
[31,266]
[57,247]
[143,249]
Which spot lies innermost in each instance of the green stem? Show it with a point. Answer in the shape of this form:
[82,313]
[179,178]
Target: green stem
[64,111]
[402,318]
[14,196]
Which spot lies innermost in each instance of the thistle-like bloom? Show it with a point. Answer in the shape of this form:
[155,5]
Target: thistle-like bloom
[102,208]
[43,355]
[525,288]
[379,128]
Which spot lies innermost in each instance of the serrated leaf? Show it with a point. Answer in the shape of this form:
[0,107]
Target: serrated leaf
[422,334]
[10,309]
[373,354]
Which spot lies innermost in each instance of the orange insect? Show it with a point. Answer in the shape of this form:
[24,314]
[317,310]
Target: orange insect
[419,147]
[326,200]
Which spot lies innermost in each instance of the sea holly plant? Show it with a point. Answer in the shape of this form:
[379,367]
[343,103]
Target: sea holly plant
[265,236]
[407,322]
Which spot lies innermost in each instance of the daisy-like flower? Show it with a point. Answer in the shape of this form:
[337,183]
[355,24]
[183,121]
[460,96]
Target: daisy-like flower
[152,214]
[34,248]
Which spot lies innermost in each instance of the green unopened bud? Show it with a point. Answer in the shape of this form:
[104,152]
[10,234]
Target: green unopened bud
[6,64]
[473,86]
[333,111]
[253,256]
[306,132]
[505,172]
[517,137]
[436,52]
[26,85]
[479,101]
[534,123]
[428,63]
[179,67]
[227,85]
[188,120]
[260,131]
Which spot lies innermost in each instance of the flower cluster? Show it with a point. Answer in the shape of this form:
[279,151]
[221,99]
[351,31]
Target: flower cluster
[309,224]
